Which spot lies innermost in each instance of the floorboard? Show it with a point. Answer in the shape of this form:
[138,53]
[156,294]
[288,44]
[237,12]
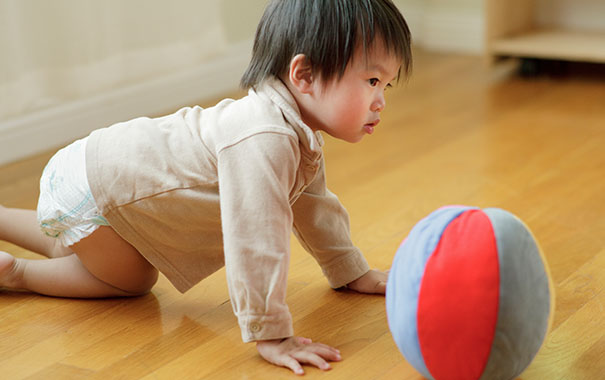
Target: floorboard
[452,134]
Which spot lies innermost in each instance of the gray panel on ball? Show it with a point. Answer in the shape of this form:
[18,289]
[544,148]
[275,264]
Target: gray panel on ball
[524,302]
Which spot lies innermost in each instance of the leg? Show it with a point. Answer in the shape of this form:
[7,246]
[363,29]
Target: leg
[21,227]
[113,260]
[104,265]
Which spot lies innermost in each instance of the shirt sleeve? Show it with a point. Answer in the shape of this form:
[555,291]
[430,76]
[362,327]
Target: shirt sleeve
[255,176]
[321,224]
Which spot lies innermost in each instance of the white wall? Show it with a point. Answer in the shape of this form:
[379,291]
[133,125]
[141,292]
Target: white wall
[68,67]
[71,66]
[572,14]
[445,25]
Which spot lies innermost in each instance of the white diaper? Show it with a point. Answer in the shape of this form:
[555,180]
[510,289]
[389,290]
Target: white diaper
[66,207]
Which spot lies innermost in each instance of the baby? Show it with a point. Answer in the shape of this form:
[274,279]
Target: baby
[187,193]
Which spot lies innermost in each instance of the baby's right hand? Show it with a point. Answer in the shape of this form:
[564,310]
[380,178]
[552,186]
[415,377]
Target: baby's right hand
[290,352]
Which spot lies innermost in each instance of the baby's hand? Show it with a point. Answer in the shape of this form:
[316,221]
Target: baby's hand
[290,352]
[373,282]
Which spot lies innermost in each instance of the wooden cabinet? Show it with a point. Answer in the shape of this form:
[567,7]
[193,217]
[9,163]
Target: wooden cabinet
[512,30]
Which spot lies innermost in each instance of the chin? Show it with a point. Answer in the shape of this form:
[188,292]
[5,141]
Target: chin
[348,138]
[354,139]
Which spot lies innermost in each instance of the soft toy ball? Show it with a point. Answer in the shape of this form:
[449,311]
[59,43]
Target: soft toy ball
[469,295]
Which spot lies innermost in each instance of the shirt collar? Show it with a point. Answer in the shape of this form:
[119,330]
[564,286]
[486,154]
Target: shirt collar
[277,92]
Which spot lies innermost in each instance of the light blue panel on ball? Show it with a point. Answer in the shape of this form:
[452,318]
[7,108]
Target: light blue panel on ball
[405,278]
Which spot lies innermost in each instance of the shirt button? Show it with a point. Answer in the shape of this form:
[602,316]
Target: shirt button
[255,327]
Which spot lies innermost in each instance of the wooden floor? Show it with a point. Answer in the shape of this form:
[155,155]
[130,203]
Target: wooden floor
[452,135]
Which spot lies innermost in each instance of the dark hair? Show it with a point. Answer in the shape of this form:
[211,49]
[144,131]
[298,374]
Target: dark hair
[327,32]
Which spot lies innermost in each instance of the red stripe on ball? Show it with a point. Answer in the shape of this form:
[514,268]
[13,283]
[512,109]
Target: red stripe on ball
[458,299]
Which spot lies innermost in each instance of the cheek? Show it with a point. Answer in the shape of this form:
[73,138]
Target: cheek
[351,102]
[347,106]
[350,111]
[357,108]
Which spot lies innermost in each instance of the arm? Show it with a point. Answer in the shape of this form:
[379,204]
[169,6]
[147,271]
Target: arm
[255,178]
[321,224]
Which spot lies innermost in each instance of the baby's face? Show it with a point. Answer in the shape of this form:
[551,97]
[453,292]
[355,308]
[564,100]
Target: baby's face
[349,108]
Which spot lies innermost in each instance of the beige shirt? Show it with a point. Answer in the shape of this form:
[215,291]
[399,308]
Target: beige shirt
[226,185]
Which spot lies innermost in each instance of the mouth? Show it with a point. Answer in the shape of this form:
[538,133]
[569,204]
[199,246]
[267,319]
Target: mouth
[369,127]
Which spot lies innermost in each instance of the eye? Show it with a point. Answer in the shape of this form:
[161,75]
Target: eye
[388,86]
[373,82]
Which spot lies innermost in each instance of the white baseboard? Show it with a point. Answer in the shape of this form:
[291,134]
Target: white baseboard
[54,127]
[448,29]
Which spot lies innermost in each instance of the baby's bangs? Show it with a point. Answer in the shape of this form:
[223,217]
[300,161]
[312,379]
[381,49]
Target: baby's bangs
[383,20]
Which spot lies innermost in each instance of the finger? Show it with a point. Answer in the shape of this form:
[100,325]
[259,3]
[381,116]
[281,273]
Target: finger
[293,364]
[302,340]
[311,358]
[381,287]
[325,351]
[326,347]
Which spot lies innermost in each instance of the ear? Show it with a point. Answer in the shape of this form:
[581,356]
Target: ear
[300,74]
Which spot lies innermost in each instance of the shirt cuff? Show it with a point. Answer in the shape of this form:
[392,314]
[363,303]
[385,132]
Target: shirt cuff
[265,328]
[349,268]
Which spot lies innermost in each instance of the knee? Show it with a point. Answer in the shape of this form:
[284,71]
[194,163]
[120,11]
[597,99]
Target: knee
[145,283]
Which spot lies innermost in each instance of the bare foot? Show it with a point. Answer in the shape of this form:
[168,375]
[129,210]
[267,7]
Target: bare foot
[9,271]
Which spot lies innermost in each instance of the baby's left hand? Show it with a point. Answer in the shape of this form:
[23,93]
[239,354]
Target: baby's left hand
[373,282]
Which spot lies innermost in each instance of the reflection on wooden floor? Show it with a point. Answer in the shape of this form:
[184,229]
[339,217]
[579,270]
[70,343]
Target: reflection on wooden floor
[451,135]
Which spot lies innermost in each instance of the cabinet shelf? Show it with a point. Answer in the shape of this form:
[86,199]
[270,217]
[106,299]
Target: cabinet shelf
[513,30]
[553,44]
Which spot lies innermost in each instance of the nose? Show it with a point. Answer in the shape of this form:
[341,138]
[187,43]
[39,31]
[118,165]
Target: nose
[379,103]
